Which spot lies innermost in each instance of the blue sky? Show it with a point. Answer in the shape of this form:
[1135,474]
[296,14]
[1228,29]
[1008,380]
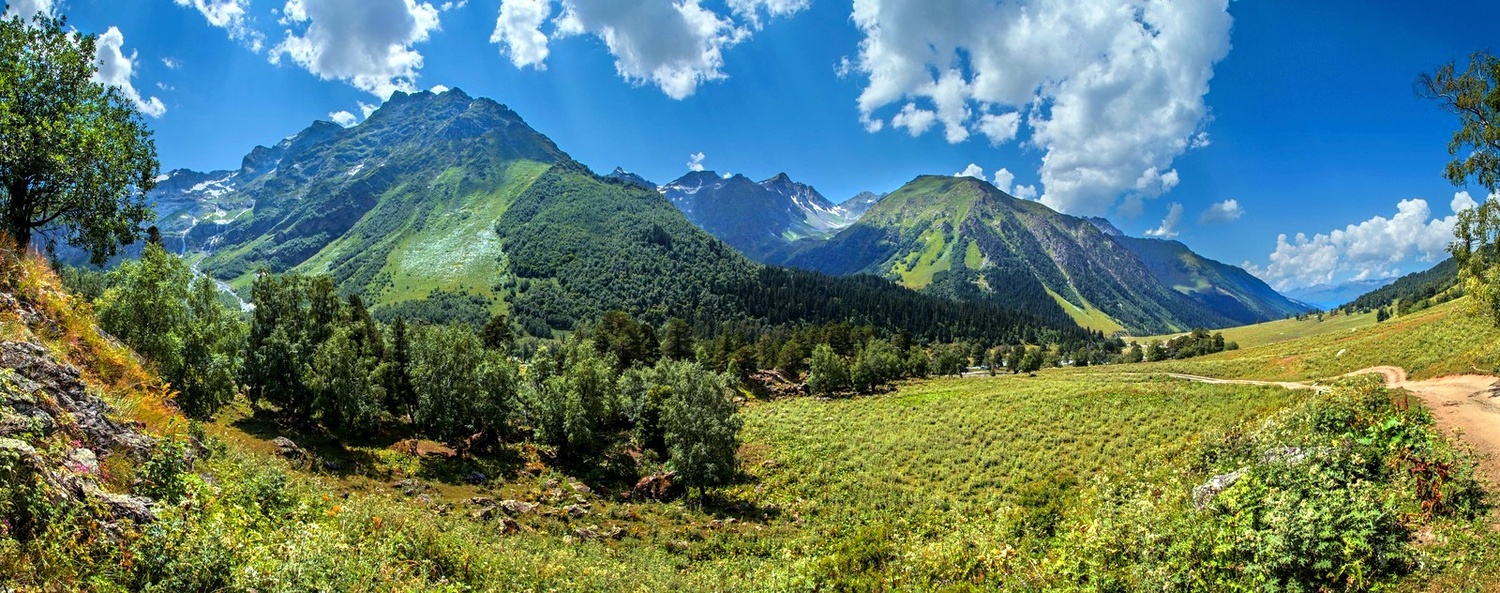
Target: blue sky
[1302,113]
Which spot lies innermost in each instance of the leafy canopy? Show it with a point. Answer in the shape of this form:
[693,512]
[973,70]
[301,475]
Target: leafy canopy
[76,158]
[1474,96]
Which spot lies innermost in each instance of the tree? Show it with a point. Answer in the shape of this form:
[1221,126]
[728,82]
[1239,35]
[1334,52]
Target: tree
[700,427]
[157,308]
[918,363]
[1032,362]
[462,388]
[630,341]
[1474,96]
[827,373]
[76,157]
[342,381]
[571,398]
[401,397]
[677,340]
[496,334]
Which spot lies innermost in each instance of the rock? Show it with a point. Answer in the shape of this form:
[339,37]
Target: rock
[83,461]
[42,386]
[581,488]
[1206,493]
[482,514]
[1341,353]
[509,525]
[587,533]
[476,478]
[658,486]
[409,487]
[516,507]
[288,449]
[135,508]
[534,468]
[333,465]
[481,501]
[551,484]
[575,511]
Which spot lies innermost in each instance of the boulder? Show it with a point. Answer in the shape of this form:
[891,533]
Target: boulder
[1208,491]
[409,487]
[41,388]
[476,478]
[516,507]
[657,486]
[288,449]
[575,511]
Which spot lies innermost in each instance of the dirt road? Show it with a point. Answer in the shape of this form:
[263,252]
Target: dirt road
[1469,403]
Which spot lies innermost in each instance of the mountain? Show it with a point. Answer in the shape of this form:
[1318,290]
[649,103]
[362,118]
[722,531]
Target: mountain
[624,176]
[1417,286]
[856,206]
[446,207]
[1225,289]
[1328,296]
[758,219]
[964,238]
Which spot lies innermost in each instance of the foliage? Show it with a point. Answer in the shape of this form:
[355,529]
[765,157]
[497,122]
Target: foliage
[176,321]
[462,388]
[1477,254]
[827,372]
[571,399]
[699,425]
[75,155]
[1474,96]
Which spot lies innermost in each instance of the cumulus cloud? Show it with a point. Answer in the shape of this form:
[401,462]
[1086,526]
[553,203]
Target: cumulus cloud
[447,6]
[367,43]
[230,15]
[675,45]
[1003,179]
[116,69]
[365,109]
[695,162]
[1168,227]
[1112,90]
[343,118]
[28,8]
[1025,192]
[518,31]
[972,170]
[1375,248]
[915,121]
[1222,212]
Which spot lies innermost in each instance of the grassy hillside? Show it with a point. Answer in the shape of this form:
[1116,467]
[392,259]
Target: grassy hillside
[1445,339]
[963,238]
[1283,330]
[1226,289]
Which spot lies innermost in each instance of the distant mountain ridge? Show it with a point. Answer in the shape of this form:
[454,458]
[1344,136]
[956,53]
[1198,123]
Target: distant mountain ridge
[757,218]
[964,238]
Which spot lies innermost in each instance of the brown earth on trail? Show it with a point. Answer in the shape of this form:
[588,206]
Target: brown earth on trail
[1469,404]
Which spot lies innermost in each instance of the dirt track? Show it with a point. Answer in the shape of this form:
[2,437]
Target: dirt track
[1469,403]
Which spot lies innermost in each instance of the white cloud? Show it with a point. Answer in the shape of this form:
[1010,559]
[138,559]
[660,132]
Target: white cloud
[1375,248]
[1003,179]
[915,121]
[439,89]
[232,16]
[1112,89]
[751,9]
[1025,192]
[447,6]
[1168,228]
[1000,129]
[343,118]
[116,69]
[518,31]
[28,8]
[1222,212]
[366,109]
[972,170]
[367,43]
[695,162]
[170,63]
[675,45]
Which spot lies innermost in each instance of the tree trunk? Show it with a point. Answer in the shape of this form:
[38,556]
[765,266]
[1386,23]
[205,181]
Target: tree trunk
[18,215]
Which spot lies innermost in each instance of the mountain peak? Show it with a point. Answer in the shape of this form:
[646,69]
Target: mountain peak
[1105,226]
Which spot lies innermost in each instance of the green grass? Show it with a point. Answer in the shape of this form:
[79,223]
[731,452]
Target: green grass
[917,269]
[1442,340]
[1283,330]
[1088,316]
